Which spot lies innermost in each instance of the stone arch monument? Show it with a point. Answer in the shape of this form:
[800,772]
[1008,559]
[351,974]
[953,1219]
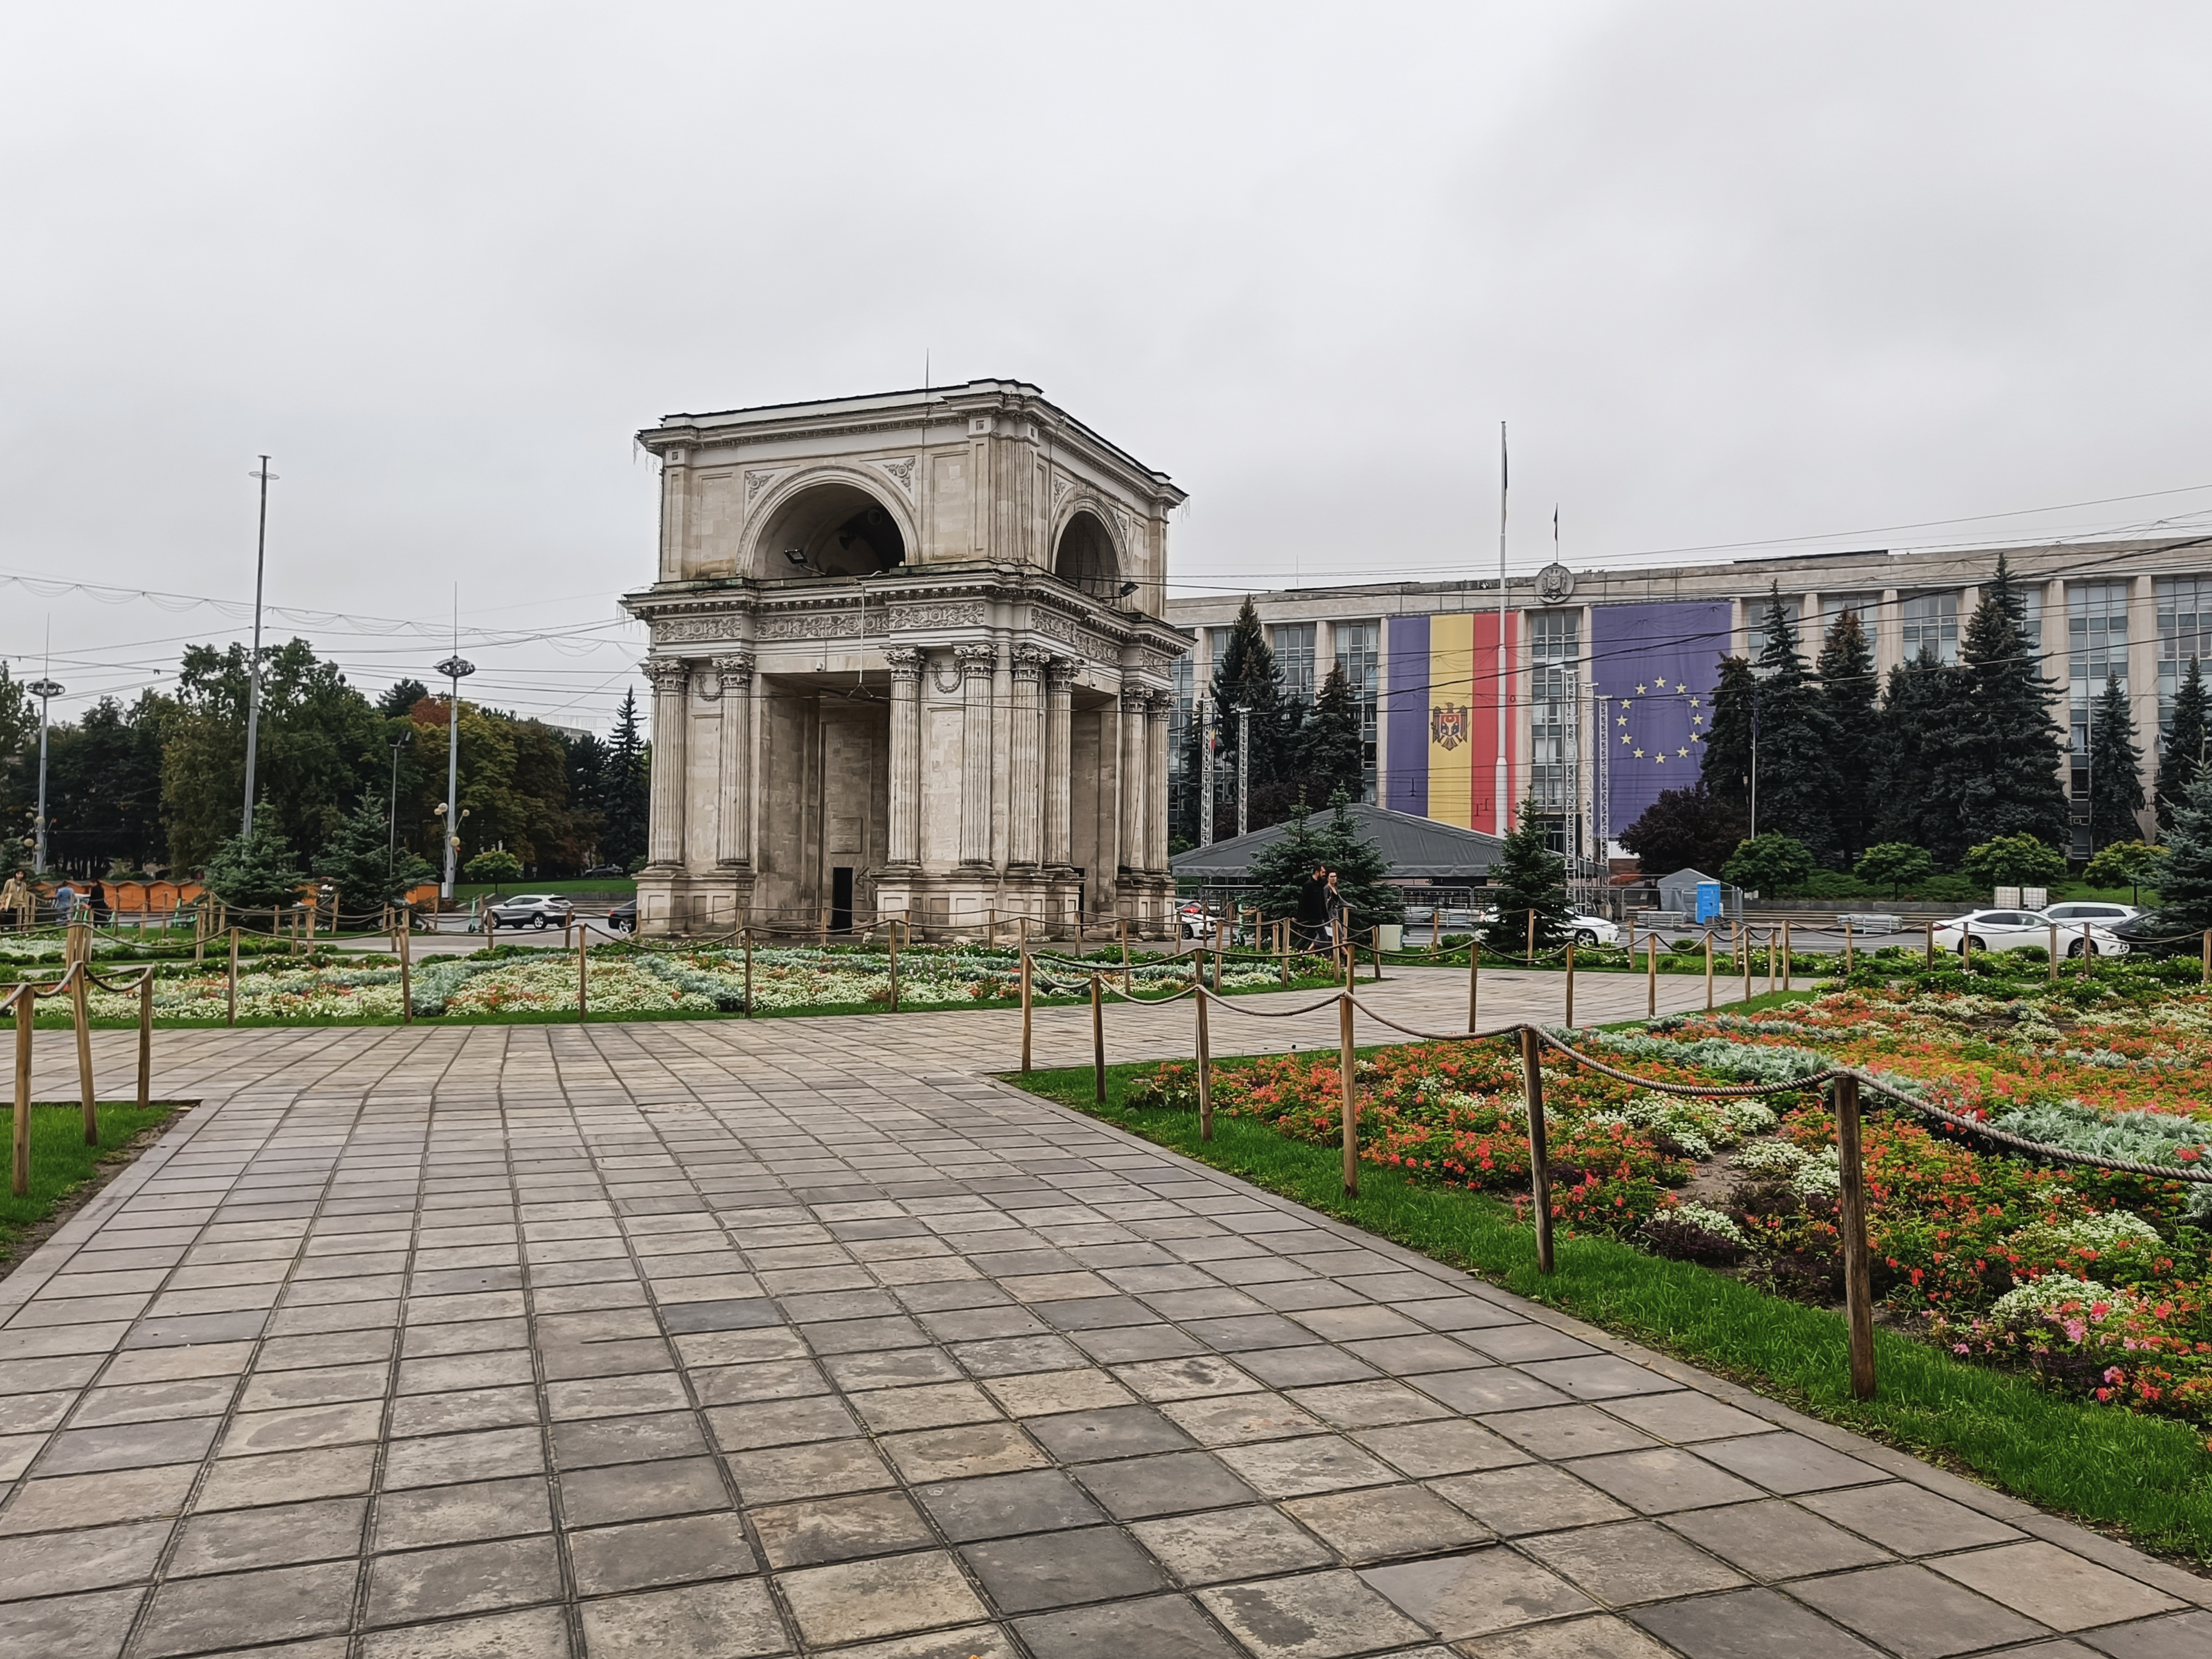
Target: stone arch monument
[908,660]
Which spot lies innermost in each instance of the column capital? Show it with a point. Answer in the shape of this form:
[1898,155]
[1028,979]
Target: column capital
[733,671]
[976,661]
[668,674]
[1133,699]
[1030,662]
[1060,674]
[1160,702]
[906,662]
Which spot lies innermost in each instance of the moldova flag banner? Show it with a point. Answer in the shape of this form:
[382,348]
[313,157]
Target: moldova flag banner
[1440,700]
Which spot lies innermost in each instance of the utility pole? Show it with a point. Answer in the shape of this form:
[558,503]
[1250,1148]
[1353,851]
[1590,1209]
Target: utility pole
[1243,766]
[1502,784]
[1205,735]
[455,670]
[392,840]
[253,664]
[45,691]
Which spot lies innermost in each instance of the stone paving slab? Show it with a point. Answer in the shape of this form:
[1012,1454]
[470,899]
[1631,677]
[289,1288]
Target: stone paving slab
[803,1336]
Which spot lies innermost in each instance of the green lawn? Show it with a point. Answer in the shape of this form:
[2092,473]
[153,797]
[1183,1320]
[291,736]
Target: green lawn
[2148,1477]
[61,1162]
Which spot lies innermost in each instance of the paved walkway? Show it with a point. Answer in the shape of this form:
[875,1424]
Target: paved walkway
[801,1336]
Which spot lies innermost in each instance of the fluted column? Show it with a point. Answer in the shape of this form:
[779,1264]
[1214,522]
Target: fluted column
[906,664]
[977,663]
[1025,771]
[1059,761]
[1130,853]
[734,771]
[671,714]
[1156,782]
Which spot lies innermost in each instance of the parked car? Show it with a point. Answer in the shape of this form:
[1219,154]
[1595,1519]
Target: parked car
[1593,930]
[1197,922]
[600,872]
[529,910]
[2009,930]
[2078,911]
[622,918]
[2158,935]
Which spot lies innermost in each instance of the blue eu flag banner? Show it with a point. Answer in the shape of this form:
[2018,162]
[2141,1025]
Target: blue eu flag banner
[1658,663]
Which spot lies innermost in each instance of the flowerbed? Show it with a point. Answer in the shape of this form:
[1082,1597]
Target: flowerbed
[623,980]
[2096,1280]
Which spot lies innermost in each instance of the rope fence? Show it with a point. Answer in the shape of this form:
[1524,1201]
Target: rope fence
[74,984]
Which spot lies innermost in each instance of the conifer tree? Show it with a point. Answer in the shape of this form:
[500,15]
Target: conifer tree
[1793,780]
[1331,755]
[1360,869]
[1851,692]
[2009,780]
[2115,791]
[257,872]
[1527,875]
[626,801]
[2184,887]
[2181,758]
[1917,759]
[366,862]
[1247,676]
[1724,765]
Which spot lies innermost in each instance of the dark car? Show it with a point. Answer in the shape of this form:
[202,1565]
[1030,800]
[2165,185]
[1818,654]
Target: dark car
[601,872]
[2158,935]
[622,918]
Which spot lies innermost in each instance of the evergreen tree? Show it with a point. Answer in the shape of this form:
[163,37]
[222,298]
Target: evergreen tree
[1279,867]
[1917,758]
[2184,887]
[1246,676]
[257,872]
[399,699]
[1794,781]
[1724,767]
[1527,875]
[2115,791]
[363,863]
[1689,829]
[626,801]
[2009,782]
[2182,756]
[586,763]
[1331,757]
[1361,870]
[1851,691]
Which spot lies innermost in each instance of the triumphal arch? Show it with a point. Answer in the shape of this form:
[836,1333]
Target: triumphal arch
[908,660]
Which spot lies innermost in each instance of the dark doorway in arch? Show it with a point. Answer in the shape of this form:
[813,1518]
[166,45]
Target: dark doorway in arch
[838,529]
[1084,559]
[840,899]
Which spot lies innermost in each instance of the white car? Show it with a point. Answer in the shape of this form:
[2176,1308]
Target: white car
[1593,930]
[2009,930]
[1197,923]
[2096,911]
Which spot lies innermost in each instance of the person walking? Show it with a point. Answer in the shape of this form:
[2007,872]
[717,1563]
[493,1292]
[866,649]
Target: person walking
[64,901]
[15,899]
[1313,908]
[1340,917]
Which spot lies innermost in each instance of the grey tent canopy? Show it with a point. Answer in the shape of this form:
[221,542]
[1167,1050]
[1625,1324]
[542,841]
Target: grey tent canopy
[1415,848]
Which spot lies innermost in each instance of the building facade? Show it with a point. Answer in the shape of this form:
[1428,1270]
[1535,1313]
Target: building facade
[908,660]
[1606,677]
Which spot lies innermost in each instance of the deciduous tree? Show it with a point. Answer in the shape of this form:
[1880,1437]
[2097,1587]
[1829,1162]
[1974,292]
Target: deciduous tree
[1684,830]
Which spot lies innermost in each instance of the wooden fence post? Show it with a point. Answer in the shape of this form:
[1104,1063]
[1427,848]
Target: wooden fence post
[1570,984]
[1746,953]
[1849,961]
[1652,976]
[407,963]
[26,1007]
[1098,1042]
[1858,1270]
[1474,979]
[1931,944]
[146,1038]
[230,1015]
[1283,950]
[80,1011]
[2208,955]
[1205,1072]
[1785,956]
[2088,950]
[1531,958]
[1708,971]
[749,973]
[1770,963]
[1347,1066]
[583,975]
[1540,1171]
[1028,999]
[893,941]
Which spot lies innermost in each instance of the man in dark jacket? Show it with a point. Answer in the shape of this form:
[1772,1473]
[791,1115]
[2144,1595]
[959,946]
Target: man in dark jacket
[1313,908]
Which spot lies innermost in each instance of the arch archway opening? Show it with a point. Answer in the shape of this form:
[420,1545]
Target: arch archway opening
[839,529]
[1085,560]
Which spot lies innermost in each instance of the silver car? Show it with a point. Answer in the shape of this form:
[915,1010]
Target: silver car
[529,910]
[2009,930]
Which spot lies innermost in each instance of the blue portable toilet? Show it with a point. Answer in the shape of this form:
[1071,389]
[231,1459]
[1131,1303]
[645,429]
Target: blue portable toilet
[1709,901]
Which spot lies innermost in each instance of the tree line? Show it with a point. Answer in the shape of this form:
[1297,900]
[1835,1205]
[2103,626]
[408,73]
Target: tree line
[1900,782]
[157,784]
[1296,753]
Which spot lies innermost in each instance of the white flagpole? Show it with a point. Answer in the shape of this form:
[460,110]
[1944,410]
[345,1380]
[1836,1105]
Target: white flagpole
[1504,813]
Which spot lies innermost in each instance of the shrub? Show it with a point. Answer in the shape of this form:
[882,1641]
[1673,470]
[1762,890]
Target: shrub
[496,865]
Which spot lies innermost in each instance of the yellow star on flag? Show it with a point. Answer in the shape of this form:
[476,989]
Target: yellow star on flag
[1639,754]
[1639,689]
[1625,738]
[1684,753]
[1660,758]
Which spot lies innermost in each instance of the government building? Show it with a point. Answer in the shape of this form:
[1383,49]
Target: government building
[1607,677]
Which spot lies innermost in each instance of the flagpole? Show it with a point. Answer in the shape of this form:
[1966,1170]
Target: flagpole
[1503,814]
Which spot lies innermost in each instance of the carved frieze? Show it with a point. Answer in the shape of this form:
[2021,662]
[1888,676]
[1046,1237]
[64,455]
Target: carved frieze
[904,617]
[899,471]
[1072,634]
[812,625]
[684,630]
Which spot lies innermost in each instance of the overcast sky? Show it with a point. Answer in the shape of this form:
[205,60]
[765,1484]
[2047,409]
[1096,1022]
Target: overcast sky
[1736,274]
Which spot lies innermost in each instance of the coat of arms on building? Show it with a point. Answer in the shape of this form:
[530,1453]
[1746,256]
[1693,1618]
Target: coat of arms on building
[1448,724]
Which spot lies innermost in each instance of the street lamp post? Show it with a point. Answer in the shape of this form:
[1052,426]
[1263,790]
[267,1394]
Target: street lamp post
[391,838]
[45,691]
[456,670]
[253,664]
